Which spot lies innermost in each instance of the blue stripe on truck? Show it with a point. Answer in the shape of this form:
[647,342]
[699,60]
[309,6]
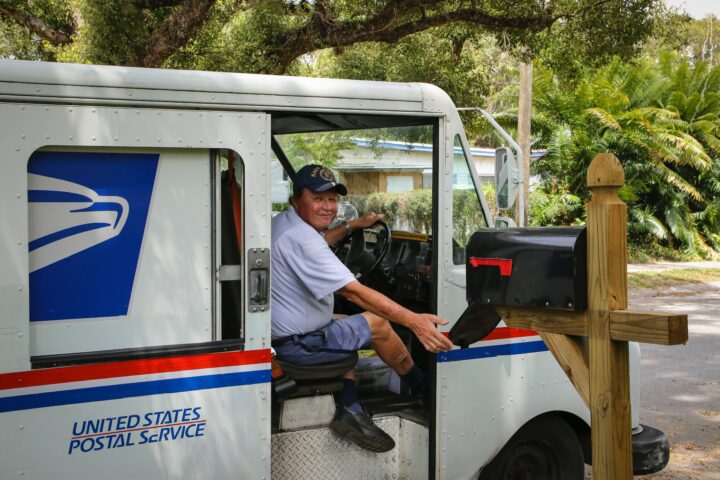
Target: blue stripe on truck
[492,351]
[127,390]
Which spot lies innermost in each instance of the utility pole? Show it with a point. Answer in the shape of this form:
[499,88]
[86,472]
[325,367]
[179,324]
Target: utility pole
[524,116]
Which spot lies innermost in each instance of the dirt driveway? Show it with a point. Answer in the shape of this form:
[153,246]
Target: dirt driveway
[680,386]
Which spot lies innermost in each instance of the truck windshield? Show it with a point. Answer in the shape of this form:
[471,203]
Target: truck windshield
[386,170]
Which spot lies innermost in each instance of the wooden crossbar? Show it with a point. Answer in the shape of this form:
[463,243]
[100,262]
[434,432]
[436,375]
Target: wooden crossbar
[625,325]
[648,327]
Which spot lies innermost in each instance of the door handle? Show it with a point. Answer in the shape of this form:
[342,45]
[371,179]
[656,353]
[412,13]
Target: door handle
[258,285]
[258,262]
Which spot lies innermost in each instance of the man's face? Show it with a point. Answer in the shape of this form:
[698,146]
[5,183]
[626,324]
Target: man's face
[317,209]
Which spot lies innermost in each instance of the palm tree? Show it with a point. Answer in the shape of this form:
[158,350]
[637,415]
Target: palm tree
[662,120]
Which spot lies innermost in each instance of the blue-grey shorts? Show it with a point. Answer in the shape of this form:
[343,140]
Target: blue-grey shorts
[335,341]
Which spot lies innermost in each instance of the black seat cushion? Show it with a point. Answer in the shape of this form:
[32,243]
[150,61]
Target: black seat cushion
[320,370]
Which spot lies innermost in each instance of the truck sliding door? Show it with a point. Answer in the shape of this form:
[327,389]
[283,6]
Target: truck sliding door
[120,367]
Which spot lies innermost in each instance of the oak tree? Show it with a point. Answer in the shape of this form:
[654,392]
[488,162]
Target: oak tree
[269,36]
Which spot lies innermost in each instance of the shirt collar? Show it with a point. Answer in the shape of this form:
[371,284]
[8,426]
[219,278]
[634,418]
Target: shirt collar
[296,219]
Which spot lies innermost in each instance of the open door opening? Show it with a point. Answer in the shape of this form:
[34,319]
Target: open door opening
[389,168]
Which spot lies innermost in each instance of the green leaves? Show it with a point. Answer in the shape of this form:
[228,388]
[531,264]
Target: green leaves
[273,36]
[662,120]
[558,208]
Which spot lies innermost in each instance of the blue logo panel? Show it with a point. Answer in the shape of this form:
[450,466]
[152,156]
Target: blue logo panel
[87,215]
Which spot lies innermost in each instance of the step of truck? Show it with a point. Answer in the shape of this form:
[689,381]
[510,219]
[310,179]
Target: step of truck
[317,453]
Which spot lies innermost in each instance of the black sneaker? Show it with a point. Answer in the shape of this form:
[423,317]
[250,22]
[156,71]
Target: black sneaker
[360,429]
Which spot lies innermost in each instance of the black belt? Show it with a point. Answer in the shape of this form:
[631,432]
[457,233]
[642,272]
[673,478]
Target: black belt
[279,342]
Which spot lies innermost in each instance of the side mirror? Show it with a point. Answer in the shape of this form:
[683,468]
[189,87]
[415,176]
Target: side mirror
[504,222]
[506,178]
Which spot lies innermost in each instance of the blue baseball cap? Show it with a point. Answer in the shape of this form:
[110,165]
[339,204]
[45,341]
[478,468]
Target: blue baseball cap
[317,178]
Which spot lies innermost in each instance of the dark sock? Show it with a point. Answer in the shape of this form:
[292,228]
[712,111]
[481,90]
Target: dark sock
[348,396]
[415,379]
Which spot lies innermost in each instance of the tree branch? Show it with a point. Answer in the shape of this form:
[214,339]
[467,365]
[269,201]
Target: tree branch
[388,26]
[175,32]
[154,4]
[178,28]
[37,25]
[588,8]
[458,45]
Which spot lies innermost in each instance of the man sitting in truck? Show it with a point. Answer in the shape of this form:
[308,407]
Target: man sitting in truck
[306,274]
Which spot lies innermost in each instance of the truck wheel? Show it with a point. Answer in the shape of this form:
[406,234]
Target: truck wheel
[544,449]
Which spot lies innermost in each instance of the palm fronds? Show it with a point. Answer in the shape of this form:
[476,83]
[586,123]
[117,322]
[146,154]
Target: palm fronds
[662,120]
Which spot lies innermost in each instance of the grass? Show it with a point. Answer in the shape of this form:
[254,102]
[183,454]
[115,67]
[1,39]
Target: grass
[655,252]
[672,278]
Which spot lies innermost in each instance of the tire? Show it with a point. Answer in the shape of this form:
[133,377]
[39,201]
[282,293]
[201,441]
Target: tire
[547,448]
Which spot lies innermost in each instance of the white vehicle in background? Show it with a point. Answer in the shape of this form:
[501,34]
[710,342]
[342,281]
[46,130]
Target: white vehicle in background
[135,208]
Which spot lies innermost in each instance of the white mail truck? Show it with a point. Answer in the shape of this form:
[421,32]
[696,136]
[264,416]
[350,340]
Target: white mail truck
[135,213]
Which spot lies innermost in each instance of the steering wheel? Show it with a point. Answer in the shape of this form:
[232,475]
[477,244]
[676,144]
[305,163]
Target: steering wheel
[361,261]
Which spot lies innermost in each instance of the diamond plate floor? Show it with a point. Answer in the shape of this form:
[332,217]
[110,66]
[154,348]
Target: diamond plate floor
[318,454]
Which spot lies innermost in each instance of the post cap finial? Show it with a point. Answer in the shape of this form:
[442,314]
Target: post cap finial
[605,171]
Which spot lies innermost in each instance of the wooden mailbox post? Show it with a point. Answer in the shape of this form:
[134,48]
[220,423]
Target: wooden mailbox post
[604,384]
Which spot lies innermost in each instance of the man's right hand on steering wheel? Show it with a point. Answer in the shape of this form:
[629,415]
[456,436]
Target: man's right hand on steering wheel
[367,220]
[340,232]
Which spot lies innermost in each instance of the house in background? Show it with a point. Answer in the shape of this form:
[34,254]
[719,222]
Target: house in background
[385,166]
[393,166]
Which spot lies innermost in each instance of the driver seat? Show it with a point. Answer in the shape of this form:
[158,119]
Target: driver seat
[317,379]
[303,394]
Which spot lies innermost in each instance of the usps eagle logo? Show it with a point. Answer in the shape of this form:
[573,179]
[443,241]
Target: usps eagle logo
[67,218]
[87,213]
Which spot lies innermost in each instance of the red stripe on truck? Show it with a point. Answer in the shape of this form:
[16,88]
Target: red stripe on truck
[128,368]
[505,332]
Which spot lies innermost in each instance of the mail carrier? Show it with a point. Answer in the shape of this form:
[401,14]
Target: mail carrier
[135,210]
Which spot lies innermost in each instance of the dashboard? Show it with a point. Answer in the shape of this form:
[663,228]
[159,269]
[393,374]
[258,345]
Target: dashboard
[405,274]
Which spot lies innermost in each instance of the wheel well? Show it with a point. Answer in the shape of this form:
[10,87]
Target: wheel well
[582,430]
[579,426]
[537,428]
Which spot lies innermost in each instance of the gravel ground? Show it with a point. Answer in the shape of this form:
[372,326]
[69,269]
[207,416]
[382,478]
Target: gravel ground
[680,387]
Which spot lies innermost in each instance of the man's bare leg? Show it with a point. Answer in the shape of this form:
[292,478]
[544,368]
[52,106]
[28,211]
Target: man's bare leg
[393,352]
[388,345]
[350,421]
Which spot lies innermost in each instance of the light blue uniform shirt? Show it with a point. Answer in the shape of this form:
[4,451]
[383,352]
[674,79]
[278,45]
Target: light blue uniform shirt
[305,274]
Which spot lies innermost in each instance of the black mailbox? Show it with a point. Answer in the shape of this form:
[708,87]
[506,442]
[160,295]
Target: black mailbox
[528,267]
